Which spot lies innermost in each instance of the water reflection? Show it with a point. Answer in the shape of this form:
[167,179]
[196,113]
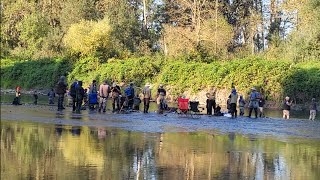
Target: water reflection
[42,151]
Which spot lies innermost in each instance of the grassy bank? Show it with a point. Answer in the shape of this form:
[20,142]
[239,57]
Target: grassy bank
[274,78]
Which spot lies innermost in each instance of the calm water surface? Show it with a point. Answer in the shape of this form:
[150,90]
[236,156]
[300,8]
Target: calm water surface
[47,151]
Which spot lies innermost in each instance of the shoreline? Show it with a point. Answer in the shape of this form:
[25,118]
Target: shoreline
[269,104]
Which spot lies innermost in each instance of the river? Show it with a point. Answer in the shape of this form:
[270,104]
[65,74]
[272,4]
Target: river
[38,143]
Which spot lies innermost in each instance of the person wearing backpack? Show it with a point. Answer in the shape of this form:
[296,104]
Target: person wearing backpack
[130,95]
[61,89]
[254,102]
[93,95]
[73,92]
[104,91]
[79,96]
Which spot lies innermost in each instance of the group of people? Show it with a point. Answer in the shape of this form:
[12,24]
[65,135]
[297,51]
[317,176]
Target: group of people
[96,98]
[256,102]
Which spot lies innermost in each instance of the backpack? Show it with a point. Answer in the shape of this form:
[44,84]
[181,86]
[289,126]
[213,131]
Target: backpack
[128,91]
[73,90]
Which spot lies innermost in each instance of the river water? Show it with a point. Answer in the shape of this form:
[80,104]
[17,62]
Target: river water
[38,143]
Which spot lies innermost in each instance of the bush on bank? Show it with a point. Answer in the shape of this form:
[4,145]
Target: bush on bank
[275,79]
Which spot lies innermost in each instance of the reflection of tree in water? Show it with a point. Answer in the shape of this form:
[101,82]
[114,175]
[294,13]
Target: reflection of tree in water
[36,152]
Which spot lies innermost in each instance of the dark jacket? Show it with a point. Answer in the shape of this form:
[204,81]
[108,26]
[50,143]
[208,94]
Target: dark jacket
[163,91]
[80,93]
[61,88]
[115,91]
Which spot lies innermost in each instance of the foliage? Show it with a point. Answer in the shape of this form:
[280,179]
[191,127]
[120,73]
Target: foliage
[32,74]
[86,37]
[275,79]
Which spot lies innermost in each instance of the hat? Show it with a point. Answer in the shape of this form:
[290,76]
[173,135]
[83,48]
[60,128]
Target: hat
[147,84]
[313,99]
[161,86]
[114,84]
[287,98]
[253,89]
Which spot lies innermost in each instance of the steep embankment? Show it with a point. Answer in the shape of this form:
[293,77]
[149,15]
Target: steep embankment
[275,79]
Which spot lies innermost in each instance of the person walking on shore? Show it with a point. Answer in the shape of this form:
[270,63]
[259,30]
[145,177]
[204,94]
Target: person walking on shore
[61,89]
[253,104]
[313,109]
[147,95]
[286,108]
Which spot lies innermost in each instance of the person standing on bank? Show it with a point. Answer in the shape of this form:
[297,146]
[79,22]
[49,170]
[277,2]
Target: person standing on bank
[35,96]
[211,104]
[254,102]
[61,89]
[104,91]
[51,95]
[233,102]
[93,95]
[286,108]
[161,94]
[242,103]
[262,102]
[115,93]
[79,96]
[146,97]
[313,109]
[130,95]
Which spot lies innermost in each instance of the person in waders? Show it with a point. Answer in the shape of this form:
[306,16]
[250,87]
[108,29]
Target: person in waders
[161,94]
[93,95]
[35,96]
[146,97]
[286,108]
[242,103]
[51,95]
[210,104]
[233,103]
[129,91]
[79,97]
[254,102]
[61,89]
[104,91]
[115,94]
[313,109]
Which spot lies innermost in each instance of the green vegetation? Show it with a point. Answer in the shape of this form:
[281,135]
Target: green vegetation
[202,44]
[275,79]
[32,74]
